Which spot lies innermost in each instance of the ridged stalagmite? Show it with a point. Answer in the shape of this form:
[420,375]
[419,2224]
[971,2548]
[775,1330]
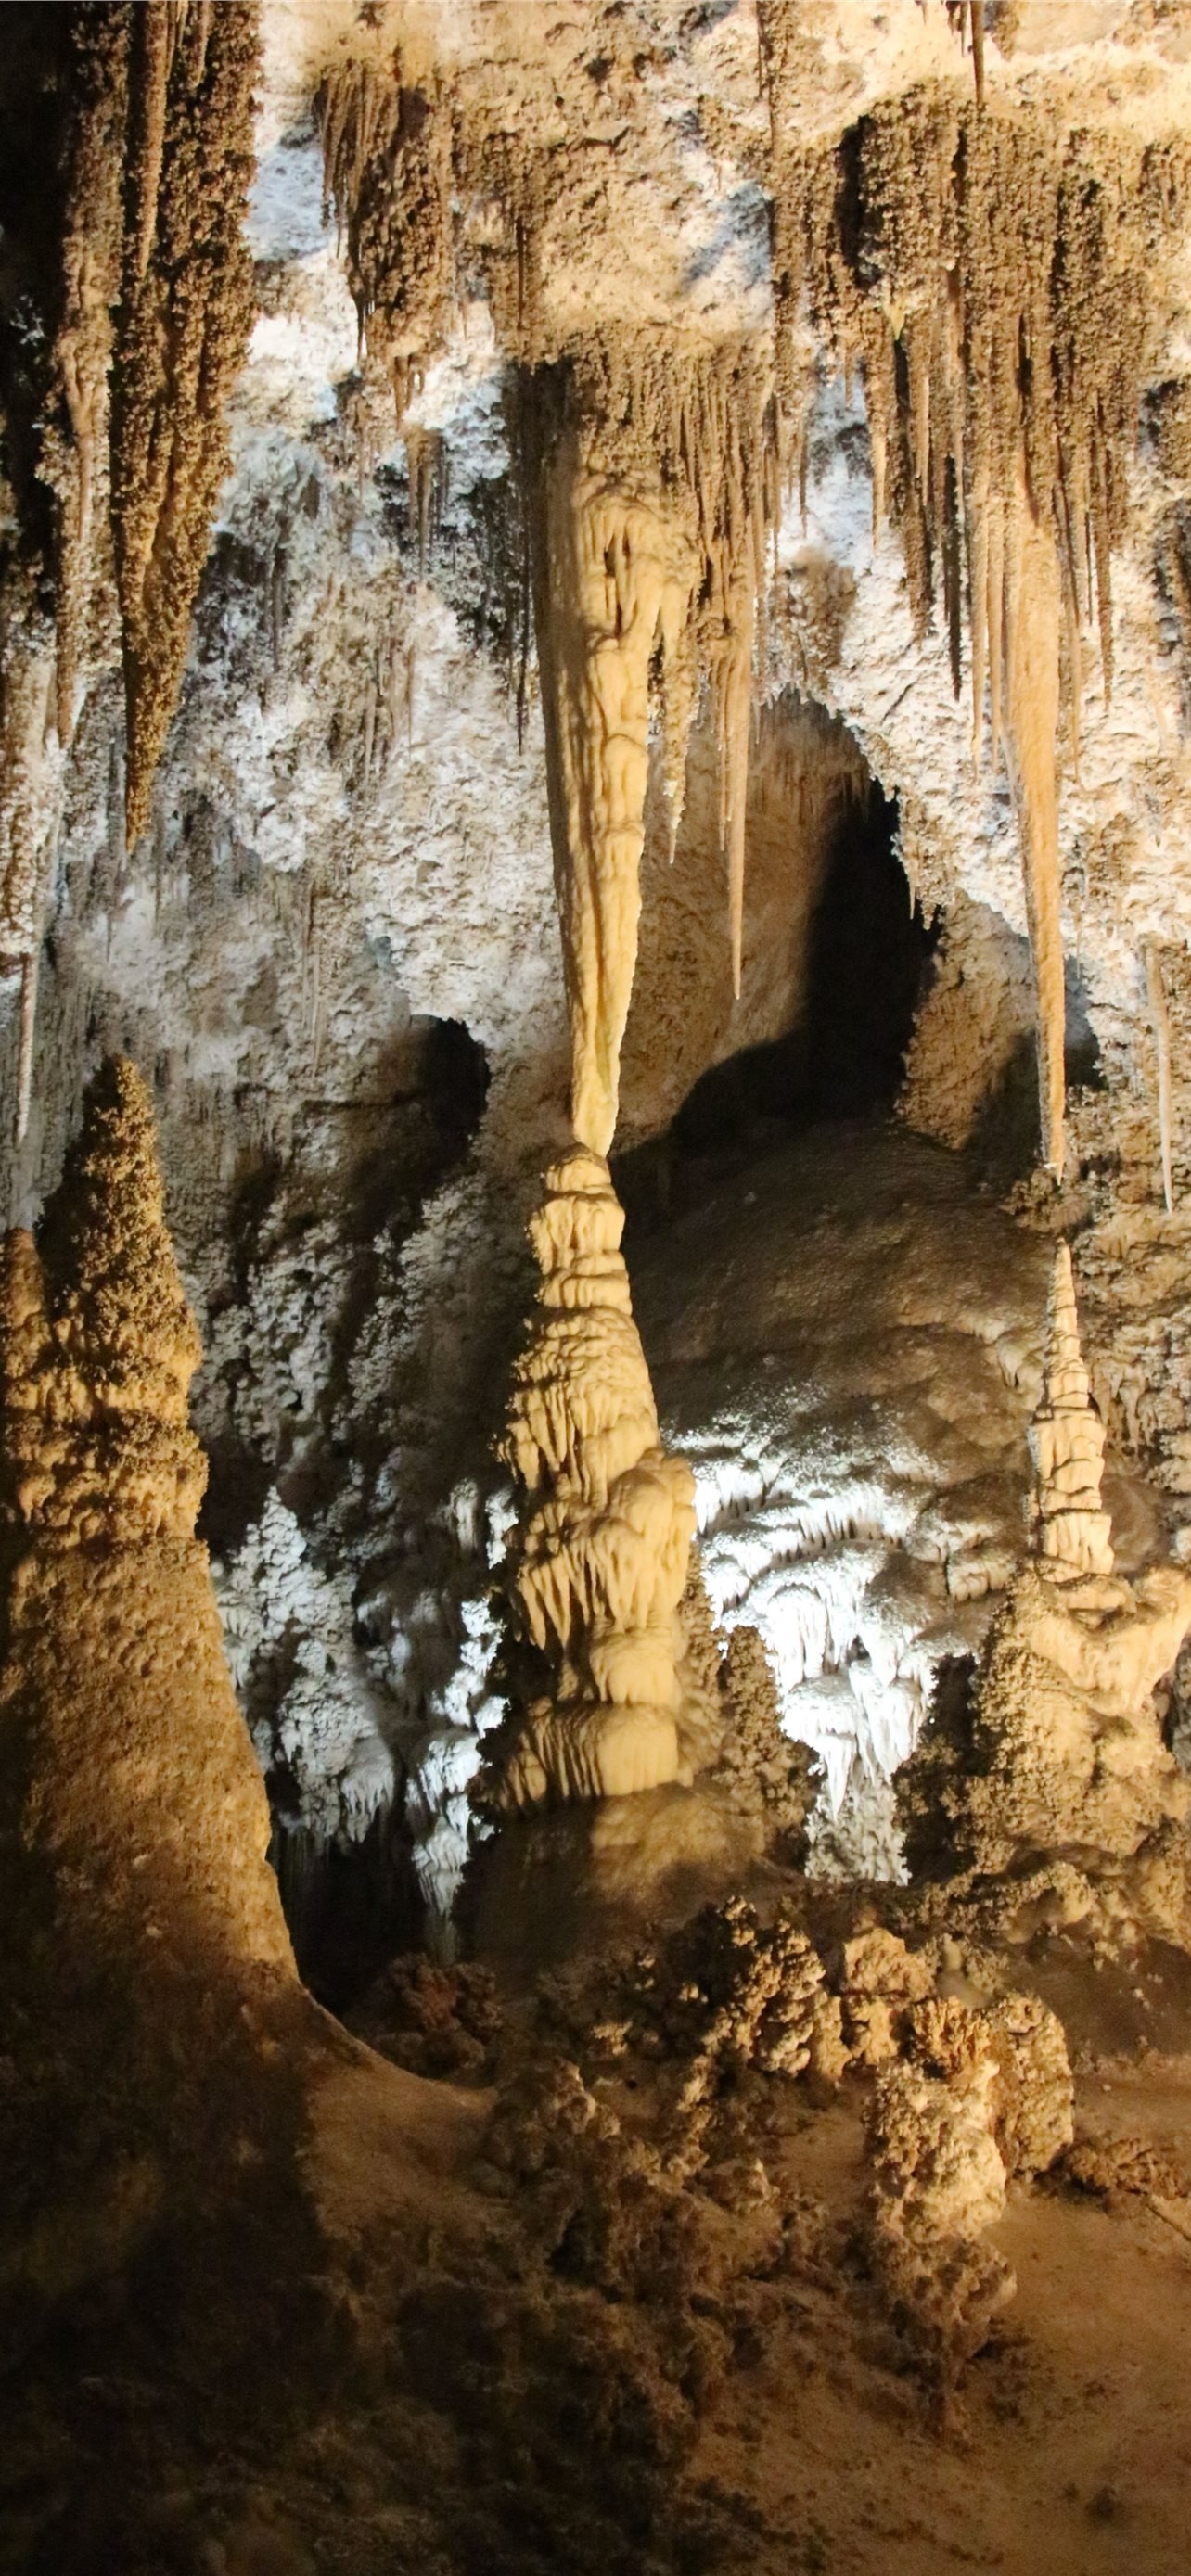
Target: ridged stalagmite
[603,1550]
[1061,1746]
[145,1947]
[1067,1443]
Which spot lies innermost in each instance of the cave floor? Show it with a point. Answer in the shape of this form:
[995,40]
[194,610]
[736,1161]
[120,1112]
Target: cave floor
[436,2395]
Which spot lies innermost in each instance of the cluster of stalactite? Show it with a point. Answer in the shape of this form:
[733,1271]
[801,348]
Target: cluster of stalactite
[685,430]
[993,276]
[387,165]
[128,324]
[650,485]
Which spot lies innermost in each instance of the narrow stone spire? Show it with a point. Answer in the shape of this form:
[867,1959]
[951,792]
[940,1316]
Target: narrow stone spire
[1071,1530]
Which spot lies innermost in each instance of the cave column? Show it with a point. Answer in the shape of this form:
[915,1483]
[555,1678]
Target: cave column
[600,1559]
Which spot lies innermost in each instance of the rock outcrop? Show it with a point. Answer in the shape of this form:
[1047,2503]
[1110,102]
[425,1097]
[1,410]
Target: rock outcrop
[974,2098]
[601,1558]
[1058,1746]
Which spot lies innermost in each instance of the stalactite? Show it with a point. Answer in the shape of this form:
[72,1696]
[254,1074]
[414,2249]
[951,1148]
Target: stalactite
[26,1030]
[1032,712]
[182,334]
[429,483]
[616,569]
[994,277]
[74,450]
[649,482]
[1160,1023]
[388,174]
[967,17]
[601,1560]
[697,420]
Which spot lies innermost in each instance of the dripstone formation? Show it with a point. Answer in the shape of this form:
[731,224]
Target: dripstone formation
[602,1551]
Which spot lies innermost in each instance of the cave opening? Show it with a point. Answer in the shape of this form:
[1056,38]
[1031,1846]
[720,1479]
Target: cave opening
[868,957]
[869,950]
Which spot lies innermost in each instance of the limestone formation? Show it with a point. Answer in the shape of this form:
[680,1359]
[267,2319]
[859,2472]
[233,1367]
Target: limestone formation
[1058,1745]
[141,1920]
[938,2185]
[129,1778]
[965,232]
[601,1556]
[618,571]
[185,316]
[1067,1444]
[128,322]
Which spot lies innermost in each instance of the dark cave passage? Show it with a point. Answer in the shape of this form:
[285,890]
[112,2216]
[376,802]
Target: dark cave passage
[868,959]
[869,951]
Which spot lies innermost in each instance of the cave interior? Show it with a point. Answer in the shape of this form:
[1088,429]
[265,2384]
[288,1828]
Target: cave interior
[595,1317]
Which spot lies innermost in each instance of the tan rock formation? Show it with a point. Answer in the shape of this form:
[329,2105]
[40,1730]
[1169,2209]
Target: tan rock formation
[129,1784]
[973,2098]
[148,1968]
[1067,1443]
[619,569]
[601,1559]
[1060,1746]
[137,293]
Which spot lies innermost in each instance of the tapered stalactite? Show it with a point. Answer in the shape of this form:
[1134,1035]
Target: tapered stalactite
[1160,1024]
[600,1563]
[387,172]
[616,571]
[1032,715]
[185,315]
[127,320]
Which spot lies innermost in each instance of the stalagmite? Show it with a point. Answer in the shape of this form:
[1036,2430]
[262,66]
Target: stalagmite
[1067,1443]
[1060,1746]
[128,1777]
[600,1563]
[143,1935]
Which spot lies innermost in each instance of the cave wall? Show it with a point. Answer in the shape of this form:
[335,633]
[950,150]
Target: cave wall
[349,852]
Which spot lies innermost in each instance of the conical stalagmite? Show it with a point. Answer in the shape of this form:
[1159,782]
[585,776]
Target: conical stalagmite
[1059,1747]
[128,1778]
[602,1557]
[148,1970]
[1067,1443]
